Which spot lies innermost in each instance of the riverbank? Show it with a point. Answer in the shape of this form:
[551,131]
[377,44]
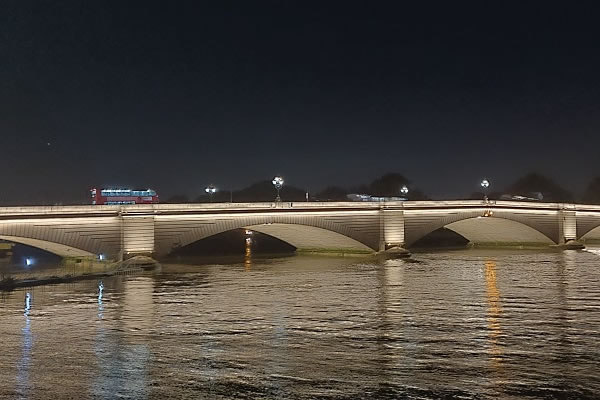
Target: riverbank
[11,283]
[70,273]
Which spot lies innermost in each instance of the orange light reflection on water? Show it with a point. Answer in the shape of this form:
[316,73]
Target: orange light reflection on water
[494,312]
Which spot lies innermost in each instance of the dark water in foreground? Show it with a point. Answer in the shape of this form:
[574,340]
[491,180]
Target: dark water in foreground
[466,324]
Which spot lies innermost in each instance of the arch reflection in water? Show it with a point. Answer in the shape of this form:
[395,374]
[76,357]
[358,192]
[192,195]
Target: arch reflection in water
[494,312]
[122,354]
[564,271]
[24,366]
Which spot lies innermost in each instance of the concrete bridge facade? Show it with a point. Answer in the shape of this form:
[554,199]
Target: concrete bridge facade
[158,229]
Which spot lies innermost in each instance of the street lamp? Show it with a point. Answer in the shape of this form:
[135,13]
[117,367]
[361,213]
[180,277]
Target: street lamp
[404,190]
[278,182]
[210,189]
[485,184]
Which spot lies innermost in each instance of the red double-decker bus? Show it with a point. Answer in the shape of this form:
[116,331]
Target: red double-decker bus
[123,196]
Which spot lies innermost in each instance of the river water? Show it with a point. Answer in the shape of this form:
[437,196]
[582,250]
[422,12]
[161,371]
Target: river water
[463,324]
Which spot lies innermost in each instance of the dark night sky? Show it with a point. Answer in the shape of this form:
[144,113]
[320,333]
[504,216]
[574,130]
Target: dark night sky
[174,95]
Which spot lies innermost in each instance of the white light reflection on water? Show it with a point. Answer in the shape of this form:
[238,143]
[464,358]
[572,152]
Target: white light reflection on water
[593,250]
[100,294]
[24,366]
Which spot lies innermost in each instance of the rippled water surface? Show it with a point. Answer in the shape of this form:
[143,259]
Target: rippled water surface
[465,324]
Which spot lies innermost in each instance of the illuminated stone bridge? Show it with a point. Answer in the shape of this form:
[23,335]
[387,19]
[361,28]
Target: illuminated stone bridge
[158,229]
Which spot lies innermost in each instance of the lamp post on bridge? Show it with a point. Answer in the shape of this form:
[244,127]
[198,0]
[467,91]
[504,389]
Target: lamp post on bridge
[404,190]
[211,190]
[278,183]
[485,184]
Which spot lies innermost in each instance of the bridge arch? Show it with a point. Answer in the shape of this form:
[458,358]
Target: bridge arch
[506,226]
[498,230]
[305,237]
[309,238]
[51,247]
[66,237]
[588,224]
[301,231]
[592,234]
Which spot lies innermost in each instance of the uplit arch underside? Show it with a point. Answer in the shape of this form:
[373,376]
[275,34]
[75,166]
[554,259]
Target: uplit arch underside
[530,226]
[54,248]
[588,225]
[66,236]
[592,235]
[350,230]
[497,230]
[304,237]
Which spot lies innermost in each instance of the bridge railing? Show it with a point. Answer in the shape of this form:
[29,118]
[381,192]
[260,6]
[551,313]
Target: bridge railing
[110,210]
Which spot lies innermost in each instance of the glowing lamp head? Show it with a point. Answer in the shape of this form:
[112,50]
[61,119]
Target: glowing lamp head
[29,261]
[485,183]
[404,190]
[278,182]
[210,189]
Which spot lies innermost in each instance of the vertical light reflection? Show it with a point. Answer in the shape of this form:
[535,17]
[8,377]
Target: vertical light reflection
[23,379]
[122,355]
[563,272]
[392,328]
[101,345]
[138,322]
[100,304]
[278,364]
[494,313]
[248,254]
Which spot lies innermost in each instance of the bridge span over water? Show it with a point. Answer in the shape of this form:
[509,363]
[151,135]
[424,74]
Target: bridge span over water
[158,229]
